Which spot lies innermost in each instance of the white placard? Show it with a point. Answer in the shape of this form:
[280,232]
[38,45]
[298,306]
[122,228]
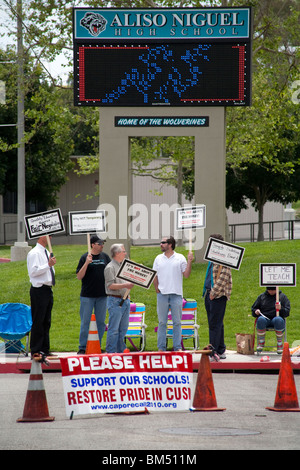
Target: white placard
[224,253]
[136,273]
[44,223]
[281,274]
[81,222]
[190,217]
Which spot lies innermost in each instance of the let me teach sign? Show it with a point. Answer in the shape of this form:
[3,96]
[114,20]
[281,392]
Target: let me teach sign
[281,274]
[110,383]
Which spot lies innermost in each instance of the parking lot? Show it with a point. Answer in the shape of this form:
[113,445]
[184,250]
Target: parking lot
[245,424]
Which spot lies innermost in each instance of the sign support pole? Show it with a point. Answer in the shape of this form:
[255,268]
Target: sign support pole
[88,243]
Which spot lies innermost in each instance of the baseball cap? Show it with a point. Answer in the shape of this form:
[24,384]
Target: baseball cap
[96,239]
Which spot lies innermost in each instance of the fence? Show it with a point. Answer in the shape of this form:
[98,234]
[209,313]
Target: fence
[290,230]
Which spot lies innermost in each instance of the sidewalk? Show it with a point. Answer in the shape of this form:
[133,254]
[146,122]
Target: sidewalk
[161,436]
[268,361]
[165,437]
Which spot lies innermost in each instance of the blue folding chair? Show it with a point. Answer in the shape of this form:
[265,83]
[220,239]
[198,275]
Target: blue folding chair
[15,324]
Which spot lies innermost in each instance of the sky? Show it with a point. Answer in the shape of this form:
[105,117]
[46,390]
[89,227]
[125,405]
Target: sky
[55,68]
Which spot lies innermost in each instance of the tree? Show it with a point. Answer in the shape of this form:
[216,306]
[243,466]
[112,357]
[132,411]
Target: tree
[178,167]
[255,135]
[263,140]
[48,140]
[55,129]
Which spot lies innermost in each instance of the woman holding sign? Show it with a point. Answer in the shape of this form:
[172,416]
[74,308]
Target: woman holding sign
[216,291]
[265,309]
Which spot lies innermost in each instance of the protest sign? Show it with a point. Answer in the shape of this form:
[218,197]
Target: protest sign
[188,218]
[224,253]
[136,273]
[81,222]
[44,223]
[110,383]
[281,274]
[87,222]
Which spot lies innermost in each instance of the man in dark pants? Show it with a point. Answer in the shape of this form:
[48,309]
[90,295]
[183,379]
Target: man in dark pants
[40,267]
[216,291]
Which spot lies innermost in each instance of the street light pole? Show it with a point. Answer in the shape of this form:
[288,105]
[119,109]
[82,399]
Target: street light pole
[21,128]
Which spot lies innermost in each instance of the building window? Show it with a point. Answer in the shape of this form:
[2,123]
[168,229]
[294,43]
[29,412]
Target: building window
[10,205]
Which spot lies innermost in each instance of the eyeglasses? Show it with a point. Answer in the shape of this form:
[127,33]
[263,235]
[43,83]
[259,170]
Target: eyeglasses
[163,242]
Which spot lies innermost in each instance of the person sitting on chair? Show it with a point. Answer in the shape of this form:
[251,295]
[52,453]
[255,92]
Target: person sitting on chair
[265,309]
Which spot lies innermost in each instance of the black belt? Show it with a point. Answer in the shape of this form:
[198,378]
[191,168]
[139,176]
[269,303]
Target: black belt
[118,296]
[42,287]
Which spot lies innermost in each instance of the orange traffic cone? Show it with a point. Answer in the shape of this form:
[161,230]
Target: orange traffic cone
[205,398]
[286,395]
[93,343]
[36,407]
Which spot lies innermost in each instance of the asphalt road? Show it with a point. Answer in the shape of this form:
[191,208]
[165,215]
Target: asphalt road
[164,437]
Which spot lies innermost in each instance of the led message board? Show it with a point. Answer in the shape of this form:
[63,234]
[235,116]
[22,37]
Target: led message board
[125,58]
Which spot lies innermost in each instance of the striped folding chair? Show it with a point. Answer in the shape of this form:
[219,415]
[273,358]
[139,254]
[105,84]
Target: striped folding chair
[136,332]
[188,324]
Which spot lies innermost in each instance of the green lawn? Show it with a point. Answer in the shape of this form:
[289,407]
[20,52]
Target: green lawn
[14,287]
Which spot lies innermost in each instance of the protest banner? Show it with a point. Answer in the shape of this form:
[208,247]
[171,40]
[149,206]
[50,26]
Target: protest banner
[44,223]
[110,383]
[188,218]
[86,222]
[224,253]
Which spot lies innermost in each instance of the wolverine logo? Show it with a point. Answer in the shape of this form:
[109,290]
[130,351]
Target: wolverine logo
[94,23]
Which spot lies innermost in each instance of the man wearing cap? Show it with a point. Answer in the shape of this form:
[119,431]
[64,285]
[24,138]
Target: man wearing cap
[90,271]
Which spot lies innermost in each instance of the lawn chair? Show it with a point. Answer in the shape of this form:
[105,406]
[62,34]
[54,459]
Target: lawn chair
[137,327]
[15,324]
[188,324]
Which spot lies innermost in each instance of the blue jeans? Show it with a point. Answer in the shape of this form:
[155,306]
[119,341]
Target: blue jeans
[87,305]
[117,324]
[277,323]
[164,303]
[215,310]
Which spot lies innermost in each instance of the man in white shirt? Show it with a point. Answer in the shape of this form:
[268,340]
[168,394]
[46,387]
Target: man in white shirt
[170,267]
[40,266]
